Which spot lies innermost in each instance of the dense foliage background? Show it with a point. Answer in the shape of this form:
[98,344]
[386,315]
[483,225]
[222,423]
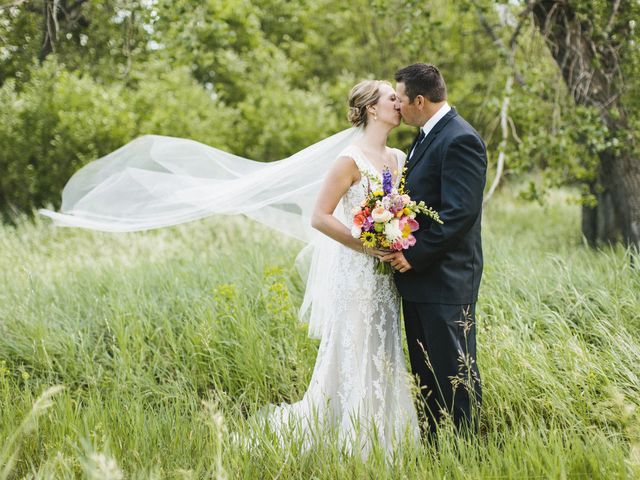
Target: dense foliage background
[265,78]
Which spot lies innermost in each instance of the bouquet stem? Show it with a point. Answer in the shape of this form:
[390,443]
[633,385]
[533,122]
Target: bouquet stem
[383,268]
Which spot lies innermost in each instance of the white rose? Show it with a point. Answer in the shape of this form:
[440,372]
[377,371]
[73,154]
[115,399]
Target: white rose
[356,232]
[392,230]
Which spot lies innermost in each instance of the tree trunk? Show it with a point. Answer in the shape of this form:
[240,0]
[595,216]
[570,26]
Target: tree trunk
[591,70]
[622,177]
[598,223]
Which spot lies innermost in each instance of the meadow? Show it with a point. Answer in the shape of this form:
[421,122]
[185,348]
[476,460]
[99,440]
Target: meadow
[140,355]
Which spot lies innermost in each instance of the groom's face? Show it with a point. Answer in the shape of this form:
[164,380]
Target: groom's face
[409,111]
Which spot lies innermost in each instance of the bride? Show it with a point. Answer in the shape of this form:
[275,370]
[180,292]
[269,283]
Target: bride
[360,386]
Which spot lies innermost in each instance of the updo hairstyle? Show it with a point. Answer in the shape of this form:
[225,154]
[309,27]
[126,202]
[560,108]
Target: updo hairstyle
[361,96]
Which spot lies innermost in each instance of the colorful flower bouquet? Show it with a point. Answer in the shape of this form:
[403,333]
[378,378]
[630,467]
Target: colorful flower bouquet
[386,218]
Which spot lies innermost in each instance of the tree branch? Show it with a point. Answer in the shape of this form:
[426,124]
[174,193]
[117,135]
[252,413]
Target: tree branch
[523,15]
[508,53]
[614,12]
[504,124]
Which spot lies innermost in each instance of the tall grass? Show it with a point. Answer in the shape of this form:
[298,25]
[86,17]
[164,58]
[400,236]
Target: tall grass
[167,341]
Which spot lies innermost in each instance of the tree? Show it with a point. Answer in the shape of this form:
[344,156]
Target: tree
[280,71]
[104,39]
[592,45]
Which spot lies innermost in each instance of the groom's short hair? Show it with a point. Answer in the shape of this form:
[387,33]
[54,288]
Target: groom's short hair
[423,79]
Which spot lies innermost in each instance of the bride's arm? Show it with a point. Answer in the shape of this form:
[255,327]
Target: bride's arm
[342,175]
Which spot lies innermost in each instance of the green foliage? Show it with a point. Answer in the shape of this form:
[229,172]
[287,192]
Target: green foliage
[265,78]
[276,120]
[54,124]
[171,102]
[59,120]
[234,82]
[19,43]
[105,39]
[168,341]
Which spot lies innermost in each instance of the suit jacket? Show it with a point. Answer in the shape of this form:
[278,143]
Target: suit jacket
[447,171]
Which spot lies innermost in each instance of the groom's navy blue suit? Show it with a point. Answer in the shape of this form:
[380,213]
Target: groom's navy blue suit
[448,171]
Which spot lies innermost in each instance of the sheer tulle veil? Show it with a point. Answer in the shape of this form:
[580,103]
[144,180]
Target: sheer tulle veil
[158,181]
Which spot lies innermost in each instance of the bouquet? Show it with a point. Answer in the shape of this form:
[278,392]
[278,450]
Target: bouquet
[386,218]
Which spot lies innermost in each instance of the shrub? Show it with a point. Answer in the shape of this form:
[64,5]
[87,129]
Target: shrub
[60,120]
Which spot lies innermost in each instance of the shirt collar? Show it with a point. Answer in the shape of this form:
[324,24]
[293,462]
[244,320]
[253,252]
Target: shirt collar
[427,127]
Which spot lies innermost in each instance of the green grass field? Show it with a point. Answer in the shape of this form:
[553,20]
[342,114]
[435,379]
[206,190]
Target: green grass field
[164,342]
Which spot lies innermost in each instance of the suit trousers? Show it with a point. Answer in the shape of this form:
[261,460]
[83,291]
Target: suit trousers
[442,350]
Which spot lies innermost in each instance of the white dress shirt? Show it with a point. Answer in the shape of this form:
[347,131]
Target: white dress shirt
[427,127]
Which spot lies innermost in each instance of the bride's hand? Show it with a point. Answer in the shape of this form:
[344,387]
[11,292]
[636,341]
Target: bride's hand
[375,252]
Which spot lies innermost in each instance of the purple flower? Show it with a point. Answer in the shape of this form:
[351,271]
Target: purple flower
[393,203]
[387,184]
[367,224]
[397,203]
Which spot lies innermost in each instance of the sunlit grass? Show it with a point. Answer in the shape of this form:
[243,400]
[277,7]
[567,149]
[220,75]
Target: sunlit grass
[166,341]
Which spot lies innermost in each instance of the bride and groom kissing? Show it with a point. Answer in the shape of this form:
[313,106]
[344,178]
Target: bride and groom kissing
[360,386]
[360,371]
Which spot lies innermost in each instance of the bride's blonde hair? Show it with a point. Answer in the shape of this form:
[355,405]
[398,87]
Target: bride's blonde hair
[361,96]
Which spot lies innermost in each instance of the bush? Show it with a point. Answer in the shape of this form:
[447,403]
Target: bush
[59,120]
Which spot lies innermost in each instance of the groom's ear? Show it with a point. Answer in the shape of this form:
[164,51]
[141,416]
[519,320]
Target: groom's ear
[420,102]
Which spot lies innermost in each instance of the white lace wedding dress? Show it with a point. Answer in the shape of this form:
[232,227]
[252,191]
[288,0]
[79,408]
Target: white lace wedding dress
[360,386]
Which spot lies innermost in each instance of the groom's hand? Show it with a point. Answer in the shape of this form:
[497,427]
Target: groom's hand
[397,261]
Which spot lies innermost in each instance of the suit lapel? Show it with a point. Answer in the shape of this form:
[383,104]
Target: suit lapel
[422,148]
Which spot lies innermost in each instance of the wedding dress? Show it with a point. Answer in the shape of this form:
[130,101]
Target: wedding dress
[360,385]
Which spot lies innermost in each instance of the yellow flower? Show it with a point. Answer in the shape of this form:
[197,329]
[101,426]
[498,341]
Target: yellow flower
[368,239]
[406,211]
[378,193]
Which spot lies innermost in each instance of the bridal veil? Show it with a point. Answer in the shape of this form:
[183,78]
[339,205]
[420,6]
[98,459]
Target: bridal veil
[158,181]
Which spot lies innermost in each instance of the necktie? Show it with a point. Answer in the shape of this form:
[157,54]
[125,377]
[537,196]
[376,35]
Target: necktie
[419,140]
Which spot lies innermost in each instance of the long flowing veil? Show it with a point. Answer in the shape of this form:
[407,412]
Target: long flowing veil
[157,181]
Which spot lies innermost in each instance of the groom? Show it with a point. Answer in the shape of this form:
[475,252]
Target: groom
[439,277]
